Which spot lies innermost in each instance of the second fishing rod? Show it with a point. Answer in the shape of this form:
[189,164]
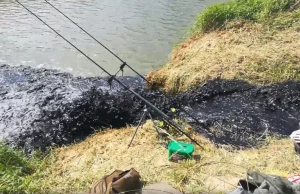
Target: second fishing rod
[156,110]
[123,62]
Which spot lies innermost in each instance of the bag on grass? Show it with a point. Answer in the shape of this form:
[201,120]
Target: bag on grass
[119,181]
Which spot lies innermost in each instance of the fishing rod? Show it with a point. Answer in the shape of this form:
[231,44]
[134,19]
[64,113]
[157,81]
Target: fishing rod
[159,112]
[123,62]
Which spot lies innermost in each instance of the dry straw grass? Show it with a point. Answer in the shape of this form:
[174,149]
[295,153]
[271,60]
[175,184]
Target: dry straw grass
[74,168]
[258,53]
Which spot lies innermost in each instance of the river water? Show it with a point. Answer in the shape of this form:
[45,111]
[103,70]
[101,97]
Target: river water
[141,32]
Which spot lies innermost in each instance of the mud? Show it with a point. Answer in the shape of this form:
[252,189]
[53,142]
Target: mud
[41,108]
[244,115]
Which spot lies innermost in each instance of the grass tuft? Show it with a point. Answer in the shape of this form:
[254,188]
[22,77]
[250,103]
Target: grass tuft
[18,173]
[216,16]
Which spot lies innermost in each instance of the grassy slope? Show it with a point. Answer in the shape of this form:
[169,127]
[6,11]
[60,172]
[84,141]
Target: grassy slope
[237,40]
[19,174]
[74,168]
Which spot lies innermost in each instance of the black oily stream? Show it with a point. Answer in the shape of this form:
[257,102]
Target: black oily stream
[241,114]
[42,108]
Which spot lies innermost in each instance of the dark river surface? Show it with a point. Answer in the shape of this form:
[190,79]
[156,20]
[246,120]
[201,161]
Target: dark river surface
[141,32]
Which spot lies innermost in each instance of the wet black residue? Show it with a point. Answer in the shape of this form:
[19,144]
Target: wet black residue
[41,108]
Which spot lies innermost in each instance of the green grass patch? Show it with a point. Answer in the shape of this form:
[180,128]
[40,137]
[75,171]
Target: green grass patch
[284,21]
[269,72]
[19,174]
[216,16]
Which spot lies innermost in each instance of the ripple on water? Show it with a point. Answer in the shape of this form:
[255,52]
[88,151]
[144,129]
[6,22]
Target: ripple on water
[141,32]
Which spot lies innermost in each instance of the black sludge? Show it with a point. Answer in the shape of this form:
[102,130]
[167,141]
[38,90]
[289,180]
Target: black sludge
[242,114]
[40,108]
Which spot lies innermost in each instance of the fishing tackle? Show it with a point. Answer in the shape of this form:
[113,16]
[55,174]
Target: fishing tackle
[112,77]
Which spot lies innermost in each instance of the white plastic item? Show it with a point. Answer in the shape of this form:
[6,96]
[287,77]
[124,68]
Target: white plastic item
[295,136]
[294,179]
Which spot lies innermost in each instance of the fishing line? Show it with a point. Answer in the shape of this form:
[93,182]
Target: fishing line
[123,62]
[112,77]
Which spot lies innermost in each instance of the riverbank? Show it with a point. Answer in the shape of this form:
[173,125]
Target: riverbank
[254,41]
[259,52]
[72,169]
[61,110]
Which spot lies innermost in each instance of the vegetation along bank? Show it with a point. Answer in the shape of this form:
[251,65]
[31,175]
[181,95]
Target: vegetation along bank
[252,40]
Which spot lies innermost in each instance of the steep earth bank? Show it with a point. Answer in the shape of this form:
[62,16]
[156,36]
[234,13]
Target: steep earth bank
[237,45]
[42,108]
